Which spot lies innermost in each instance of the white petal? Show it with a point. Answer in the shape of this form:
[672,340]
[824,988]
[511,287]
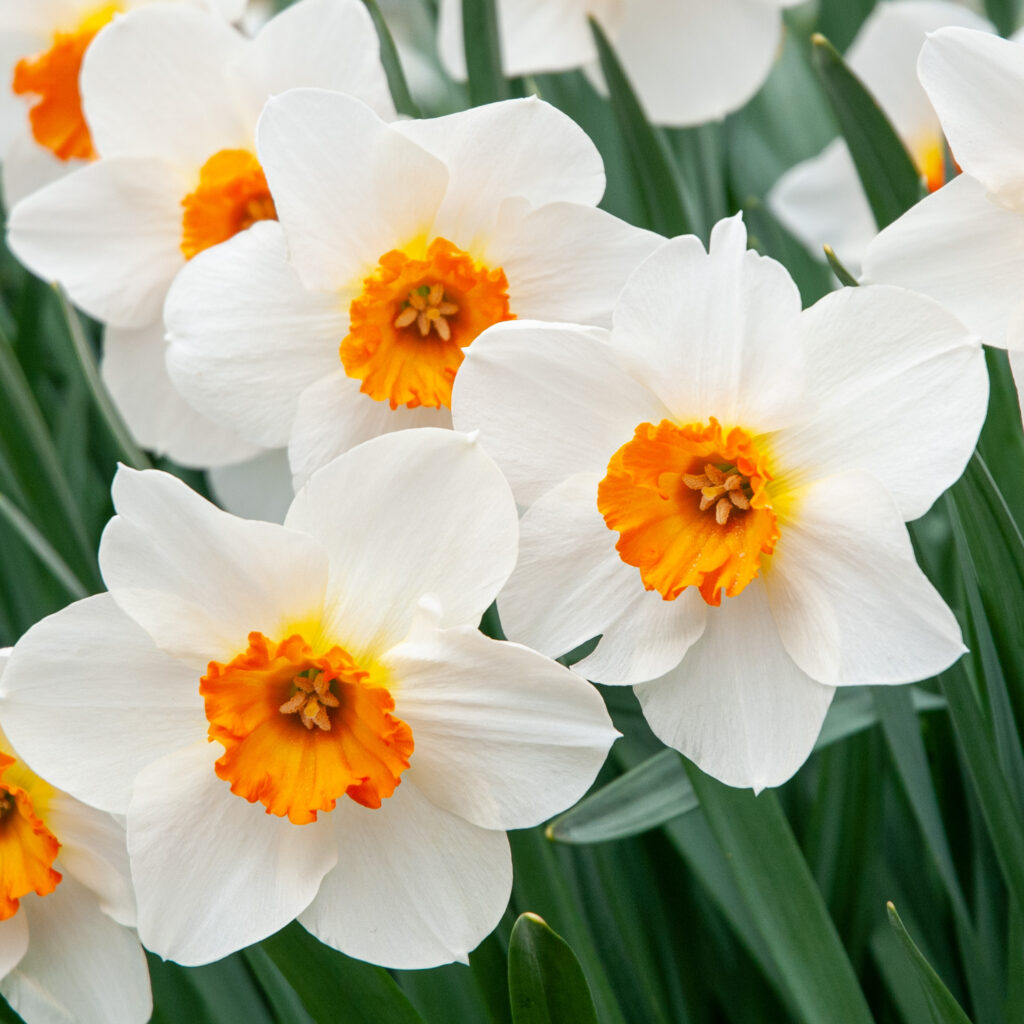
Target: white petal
[570,585]
[156,83]
[553,160]
[822,202]
[80,965]
[327,43]
[712,334]
[94,851]
[974,81]
[259,488]
[412,513]
[199,580]
[850,602]
[697,61]
[88,700]
[550,400]
[135,372]
[738,705]
[348,187]
[334,416]
[961,248]
[567,261]
[213,872]
[246,338]
[13,943]
[505,738]
[415,886]
[902,392]
[110,233]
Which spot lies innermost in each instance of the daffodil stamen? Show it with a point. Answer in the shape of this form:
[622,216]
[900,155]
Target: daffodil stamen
[656,497]
[311,700]
[428,308]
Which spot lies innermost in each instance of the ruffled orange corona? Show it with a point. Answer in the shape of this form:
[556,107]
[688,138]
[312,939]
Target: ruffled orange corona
[301,730]
[231,196]
[56,116]
[414,317]
[691,508]
[27,847]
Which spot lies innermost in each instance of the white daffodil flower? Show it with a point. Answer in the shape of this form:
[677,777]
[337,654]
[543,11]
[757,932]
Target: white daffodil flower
[172,96]
[690,61]
[67,948]
[43,132]
[821,200]
[397,245]
[718,487]
[964,245]
[303,720]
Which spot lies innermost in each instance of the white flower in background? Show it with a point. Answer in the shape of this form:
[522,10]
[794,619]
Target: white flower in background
[172,96]
[67,949]
[43,133]
[821,200]
[397,245]
[690,61]
[964,245]
[718,487]
[303,720]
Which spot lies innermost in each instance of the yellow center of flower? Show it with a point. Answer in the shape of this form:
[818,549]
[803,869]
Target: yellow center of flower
[27,847]
[691,507]
[408,327]
[302,729]
[56,116]
[231,196]
[930,157]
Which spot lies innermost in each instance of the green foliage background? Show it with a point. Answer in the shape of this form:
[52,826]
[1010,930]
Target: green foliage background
[676,899]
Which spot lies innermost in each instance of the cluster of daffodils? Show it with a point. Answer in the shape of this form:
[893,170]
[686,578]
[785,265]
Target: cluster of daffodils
[487,389]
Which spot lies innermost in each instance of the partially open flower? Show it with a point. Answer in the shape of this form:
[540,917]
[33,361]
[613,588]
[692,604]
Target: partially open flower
[718,488]
[303,720]
[67,951]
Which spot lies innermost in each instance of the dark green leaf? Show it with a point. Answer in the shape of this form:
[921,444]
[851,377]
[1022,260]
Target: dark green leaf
[545,980]
[945,1008]
[846,279]
[334,988]
[653,166]
[404,103]
[482,44]
[783,901]
[886,171]
[1004,14]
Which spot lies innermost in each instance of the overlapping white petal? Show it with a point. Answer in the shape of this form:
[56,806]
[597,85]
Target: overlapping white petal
[459,543]
[843,546]
[415,886]
[199,580]
[93,677]
[80,964]
[214,873]
[738,705]
[470,702]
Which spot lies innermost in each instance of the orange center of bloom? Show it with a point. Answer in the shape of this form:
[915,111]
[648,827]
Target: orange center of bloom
[414,317]
[231,196]
[301,730]
[56,116]
[691,508]
[27,847]
[930,157]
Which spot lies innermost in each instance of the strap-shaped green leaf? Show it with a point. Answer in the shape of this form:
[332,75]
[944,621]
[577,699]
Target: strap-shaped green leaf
[945,1008]
[404,103]
[545,981]
[890,179]
[334,988]
[482,45]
